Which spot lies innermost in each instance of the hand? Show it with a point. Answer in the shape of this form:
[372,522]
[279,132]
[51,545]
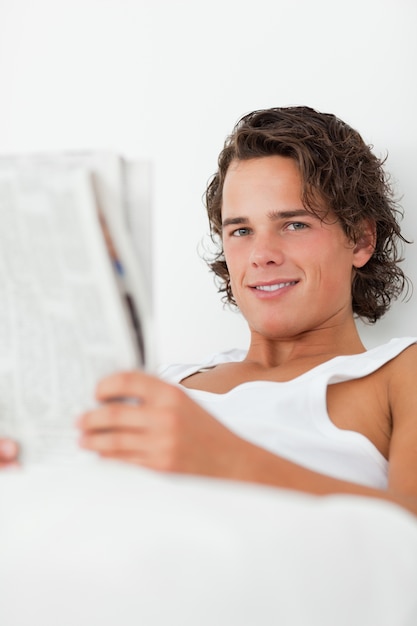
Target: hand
[157,425]
[8,453]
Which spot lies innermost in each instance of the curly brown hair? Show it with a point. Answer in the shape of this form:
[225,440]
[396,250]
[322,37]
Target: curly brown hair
[336,166]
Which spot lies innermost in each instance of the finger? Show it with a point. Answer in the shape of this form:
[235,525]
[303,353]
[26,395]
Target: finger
[113,415]
[147,456]
[144,459]
[134,384]
[114,443]
[137,457]
[12,465]
[8,451]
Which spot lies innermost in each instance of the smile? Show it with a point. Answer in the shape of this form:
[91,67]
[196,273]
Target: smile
[275,287]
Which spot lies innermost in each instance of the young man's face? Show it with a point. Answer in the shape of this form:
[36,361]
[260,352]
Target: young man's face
[290,272]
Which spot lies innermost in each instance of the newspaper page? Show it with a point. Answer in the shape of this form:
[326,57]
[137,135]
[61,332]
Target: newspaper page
[137,200]
[63,322]
[122,188]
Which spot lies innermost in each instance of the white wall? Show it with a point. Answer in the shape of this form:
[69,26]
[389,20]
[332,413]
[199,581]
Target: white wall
[166,80]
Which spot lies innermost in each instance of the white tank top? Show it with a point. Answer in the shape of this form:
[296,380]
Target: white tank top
[290,418]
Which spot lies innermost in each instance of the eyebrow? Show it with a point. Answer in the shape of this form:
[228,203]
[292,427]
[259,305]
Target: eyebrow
[273,215]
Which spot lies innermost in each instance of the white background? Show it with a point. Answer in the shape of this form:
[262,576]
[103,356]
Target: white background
[166,80]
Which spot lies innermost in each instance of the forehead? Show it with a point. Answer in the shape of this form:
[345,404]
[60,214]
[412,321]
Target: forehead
[267,185]
[267,168]
[273,172]
[263,182]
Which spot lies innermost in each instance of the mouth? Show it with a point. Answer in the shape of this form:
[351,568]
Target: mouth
[274,286]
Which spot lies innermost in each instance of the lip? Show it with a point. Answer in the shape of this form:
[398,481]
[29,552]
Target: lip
[272,288]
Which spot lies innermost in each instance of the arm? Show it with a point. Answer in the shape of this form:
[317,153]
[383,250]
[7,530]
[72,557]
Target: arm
[167,431]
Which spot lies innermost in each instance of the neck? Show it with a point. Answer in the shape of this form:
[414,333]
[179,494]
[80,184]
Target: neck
[316,345]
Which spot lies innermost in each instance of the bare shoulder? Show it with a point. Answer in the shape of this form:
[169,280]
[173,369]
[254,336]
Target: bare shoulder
[408,353]
[400,377]
[403,369]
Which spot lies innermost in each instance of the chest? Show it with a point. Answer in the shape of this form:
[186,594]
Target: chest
[303,403]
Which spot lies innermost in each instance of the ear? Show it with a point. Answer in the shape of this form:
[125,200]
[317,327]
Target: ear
[365,244]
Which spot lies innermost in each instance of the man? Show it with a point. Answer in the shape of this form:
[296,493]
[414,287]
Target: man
[308,237]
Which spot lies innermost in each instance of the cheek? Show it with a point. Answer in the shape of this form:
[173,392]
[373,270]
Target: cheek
[336,254]
[231,260]
[235,275]
[339,278]
[332,269]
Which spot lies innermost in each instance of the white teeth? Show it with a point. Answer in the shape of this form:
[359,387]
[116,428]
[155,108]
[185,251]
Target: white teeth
[274,287]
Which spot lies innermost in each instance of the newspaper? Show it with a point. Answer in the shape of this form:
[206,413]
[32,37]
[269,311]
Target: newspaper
[66,298]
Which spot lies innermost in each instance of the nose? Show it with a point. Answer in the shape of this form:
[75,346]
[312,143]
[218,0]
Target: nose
[266,250]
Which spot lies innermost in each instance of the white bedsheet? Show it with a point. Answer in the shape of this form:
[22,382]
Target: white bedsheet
[113,545]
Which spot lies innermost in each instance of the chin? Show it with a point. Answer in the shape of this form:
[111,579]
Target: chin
[274,331]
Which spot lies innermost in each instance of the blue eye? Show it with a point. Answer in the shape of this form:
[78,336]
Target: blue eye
[240,232]
[297,226]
